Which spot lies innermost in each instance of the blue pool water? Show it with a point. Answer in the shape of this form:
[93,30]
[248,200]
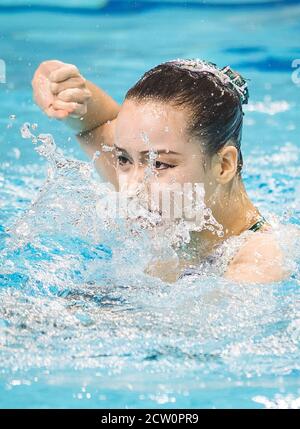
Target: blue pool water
[80,324]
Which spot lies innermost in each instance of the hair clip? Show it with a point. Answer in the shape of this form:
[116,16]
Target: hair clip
[238,82]
[226,74]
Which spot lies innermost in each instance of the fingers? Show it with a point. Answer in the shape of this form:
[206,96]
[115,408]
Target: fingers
[73,82]
[69,89]
[76,110]
[58,114]
[75,95]
[50,65]
[61,90]
[46,67]
[73,101]
[65,72]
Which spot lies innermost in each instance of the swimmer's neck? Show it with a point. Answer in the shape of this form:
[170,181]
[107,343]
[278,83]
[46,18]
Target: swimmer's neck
[236,215]
[235,212]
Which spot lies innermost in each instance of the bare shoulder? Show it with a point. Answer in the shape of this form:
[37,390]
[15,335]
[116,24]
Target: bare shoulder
[260,260]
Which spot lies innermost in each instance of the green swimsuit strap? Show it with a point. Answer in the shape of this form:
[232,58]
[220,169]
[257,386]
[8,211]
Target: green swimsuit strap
[258,224]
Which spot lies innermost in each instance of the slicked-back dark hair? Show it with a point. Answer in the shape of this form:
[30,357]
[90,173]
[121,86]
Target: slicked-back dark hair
[215,114]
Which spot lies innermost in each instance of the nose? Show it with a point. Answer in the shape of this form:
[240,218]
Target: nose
[133,181]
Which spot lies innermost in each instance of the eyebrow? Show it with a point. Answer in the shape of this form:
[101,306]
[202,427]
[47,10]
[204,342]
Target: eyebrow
[166,151]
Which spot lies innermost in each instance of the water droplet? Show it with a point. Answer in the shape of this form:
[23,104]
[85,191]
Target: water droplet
[23,229]
[107,148]
[25,131]
[17,152]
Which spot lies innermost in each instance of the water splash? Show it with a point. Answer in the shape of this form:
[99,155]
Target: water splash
[279,402]
[75,297]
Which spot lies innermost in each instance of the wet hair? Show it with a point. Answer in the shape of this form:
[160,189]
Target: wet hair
[215,114]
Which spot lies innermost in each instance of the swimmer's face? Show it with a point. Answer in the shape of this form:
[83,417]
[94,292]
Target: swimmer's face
[156,131]
[153,150]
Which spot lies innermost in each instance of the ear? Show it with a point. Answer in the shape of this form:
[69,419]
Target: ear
[224,164]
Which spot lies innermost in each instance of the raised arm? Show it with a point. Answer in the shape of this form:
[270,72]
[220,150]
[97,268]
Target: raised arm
[63,93]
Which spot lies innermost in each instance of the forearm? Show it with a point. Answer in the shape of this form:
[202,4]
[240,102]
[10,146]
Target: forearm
[101,108]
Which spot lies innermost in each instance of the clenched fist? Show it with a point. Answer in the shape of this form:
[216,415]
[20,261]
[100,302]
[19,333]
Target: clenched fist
[60,90]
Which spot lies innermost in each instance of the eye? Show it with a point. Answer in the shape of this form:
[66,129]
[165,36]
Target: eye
[122,160]
[163,166]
